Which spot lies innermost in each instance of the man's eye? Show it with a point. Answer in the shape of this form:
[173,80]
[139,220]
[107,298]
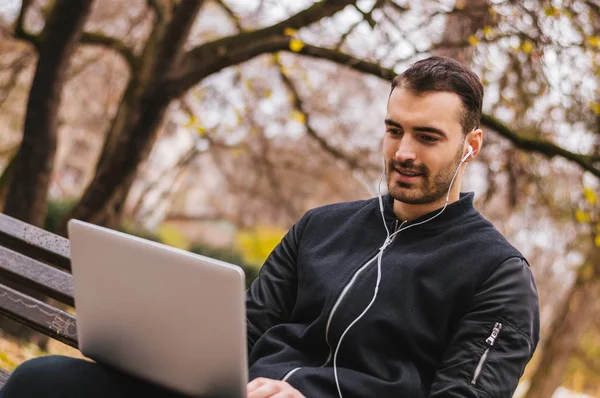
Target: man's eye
[395,132]
[429,138]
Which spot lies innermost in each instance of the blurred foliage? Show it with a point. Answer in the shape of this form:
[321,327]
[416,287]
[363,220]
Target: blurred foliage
[170,235]
[583,370]
[256,244]
[57,209]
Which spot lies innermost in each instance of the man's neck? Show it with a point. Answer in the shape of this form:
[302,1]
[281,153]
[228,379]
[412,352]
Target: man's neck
[409,212]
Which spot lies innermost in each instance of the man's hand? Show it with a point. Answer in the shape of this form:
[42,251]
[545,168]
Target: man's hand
[268,388]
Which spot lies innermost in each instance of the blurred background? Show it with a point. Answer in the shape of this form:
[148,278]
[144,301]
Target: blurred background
[214,125]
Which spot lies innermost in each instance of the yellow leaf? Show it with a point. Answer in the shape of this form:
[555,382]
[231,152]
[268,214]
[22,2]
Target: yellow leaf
[296,45]
[582,216]
[597,240]
[594,41]
[298,116]
[552,11]
[487,30]
[595,107]
[290,32]
[256,245]
[590,196]
[527,47]
[473,40]
[170,235]
[587,272]
[191,122]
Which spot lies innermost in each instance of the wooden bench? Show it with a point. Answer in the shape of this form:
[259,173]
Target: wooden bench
[35,259]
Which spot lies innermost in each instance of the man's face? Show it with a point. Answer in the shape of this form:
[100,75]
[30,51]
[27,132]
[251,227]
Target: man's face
[423,144]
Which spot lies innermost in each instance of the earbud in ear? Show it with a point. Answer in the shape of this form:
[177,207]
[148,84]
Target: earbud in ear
[469,152]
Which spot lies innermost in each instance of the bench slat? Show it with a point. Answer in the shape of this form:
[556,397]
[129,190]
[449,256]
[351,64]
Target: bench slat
[49,281]
[38,315]
[35,242]
[3,377]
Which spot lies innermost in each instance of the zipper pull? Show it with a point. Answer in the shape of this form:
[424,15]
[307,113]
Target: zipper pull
[385,244]
[495,332]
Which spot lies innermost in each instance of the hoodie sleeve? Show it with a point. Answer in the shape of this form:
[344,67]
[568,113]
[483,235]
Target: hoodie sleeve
[492,343]
[272,296]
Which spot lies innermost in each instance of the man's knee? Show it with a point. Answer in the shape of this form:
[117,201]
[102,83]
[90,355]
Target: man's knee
[38,376]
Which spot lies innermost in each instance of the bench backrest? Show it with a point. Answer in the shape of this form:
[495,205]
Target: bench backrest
[33,258]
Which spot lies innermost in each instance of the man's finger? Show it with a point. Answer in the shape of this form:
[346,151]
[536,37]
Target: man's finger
[254,384]
[264,391]
[288,394]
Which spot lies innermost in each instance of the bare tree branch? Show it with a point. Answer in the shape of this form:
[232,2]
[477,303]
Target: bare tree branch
[231,14]
[367,16]
[20,32]
[332,150]
[98,39]
[348,33]
[176,35]
[196,68]
[198,56]
[15,69]
[396,6]
[158,10]
[282,43]
[545,148]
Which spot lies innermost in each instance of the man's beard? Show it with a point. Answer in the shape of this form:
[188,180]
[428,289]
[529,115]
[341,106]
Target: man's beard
[428,188]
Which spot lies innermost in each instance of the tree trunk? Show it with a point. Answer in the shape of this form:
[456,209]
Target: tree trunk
[467,18]
[33,162]
[32,165]
[136,125]
[575,316]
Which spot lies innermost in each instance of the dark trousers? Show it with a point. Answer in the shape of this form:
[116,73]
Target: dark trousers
[64,377]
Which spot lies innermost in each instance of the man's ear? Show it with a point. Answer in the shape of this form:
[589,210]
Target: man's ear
[475,140]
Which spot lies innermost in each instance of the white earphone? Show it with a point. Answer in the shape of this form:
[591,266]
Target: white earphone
[469,152]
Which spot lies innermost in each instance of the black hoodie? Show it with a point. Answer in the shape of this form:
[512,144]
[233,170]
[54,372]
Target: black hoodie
[456,314]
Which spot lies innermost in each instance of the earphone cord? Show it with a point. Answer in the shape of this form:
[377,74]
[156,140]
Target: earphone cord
[387,242]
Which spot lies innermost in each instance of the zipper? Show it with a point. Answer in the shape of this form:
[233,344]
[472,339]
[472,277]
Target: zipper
[290,373]
[490,342]
[347,288]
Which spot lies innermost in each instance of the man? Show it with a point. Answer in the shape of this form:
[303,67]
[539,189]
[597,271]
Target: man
[411,295]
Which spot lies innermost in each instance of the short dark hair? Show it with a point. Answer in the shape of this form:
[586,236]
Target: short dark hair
[445,74]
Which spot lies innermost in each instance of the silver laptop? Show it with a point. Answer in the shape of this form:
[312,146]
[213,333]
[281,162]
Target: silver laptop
[163,314]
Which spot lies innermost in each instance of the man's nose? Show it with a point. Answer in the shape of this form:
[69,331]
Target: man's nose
[406,149]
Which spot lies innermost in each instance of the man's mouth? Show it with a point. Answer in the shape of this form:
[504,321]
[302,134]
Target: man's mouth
[409,173]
